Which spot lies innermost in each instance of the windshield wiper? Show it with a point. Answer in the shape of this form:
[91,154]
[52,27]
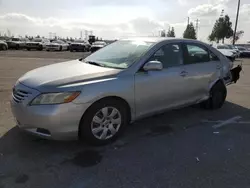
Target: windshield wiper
[94,63]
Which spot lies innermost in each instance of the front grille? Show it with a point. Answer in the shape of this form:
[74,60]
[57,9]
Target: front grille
[19,95]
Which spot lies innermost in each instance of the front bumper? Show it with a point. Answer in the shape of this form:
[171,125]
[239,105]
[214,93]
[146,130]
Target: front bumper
[234,75]
[57,122]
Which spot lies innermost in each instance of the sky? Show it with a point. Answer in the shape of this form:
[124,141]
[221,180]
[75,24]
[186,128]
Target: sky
[114,19]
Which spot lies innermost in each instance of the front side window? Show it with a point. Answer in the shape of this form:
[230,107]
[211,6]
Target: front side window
[169,55]
[196,54]
[120,54]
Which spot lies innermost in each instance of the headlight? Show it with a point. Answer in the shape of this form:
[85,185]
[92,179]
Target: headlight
[55,98]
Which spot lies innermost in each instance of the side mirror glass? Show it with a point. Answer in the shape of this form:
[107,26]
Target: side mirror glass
[153,66]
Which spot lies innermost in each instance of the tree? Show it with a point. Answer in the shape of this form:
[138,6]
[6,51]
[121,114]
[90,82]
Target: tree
[222,29]
[238,34]
[163,33]
[38,36]
[190,32]
[171,32]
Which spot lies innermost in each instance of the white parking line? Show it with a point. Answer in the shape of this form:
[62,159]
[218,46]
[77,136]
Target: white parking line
[226,122]
[220,121]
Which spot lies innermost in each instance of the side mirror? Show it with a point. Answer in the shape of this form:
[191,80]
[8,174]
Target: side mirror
[153,66]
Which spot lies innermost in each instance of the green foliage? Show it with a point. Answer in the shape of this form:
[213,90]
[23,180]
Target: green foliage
[163,33]
[190,32]
[238,34]
[171,32]
[222,29]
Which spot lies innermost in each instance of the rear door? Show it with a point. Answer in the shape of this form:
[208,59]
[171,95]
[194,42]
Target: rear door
[203,68]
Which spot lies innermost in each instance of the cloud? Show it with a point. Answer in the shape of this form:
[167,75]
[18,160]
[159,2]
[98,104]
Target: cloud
[205,10]
[182,2]
[22,24]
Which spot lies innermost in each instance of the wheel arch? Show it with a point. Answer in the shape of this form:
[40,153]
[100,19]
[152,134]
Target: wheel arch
[120,99]
[217,81]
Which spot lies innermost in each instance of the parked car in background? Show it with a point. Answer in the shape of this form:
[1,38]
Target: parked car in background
[96,97]
[3,45]
[232,47]
[226,51]
[37,43]
[244,52]
[247,46]
[17,43]
[79,45]
[97,45]
[57,45]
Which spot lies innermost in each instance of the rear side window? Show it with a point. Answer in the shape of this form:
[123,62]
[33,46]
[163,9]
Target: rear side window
[196,54]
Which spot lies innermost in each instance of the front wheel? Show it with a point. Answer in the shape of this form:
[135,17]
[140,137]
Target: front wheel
[60,49]
[217,97]
[3,47]
[103,122]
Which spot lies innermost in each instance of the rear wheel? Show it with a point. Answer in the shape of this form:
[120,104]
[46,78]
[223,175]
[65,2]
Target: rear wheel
[60,49]
[104,122]
[28,49]
[217,97]
[17,47]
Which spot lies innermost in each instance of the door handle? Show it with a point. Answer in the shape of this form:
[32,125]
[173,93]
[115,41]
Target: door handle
[183,73]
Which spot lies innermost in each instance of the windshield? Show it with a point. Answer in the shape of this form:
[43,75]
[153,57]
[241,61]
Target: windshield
[231,47]
[15,39]
[37,40]
[120,54]
[79,41]
[242,48]
[57,41]
[222,47]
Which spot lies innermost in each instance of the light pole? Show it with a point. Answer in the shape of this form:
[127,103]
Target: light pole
[236,22]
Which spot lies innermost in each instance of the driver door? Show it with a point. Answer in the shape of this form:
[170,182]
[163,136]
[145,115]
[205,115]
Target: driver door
[159,90]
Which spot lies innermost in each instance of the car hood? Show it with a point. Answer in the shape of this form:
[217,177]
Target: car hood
[98,46]
[226,52]
[58,76]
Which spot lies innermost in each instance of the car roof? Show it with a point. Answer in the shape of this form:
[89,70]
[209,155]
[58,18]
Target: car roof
[157,39]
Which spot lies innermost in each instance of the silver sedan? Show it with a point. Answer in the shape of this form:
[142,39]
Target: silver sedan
[96,97]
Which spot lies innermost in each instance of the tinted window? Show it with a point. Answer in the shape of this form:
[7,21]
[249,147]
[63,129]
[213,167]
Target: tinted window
[196,54]
[169,55]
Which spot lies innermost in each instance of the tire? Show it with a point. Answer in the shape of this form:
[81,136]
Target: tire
[40,48]
[3,47]
[17,47]
[28,49]
[102,124]
[60,49]
[217,98]
[71,50]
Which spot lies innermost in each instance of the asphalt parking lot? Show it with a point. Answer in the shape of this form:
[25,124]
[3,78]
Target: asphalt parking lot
[189,147]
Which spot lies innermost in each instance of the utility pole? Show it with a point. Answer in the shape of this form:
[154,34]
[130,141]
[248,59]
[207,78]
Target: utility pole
[81,34]
[197,27]
[236,22]
[188,21]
